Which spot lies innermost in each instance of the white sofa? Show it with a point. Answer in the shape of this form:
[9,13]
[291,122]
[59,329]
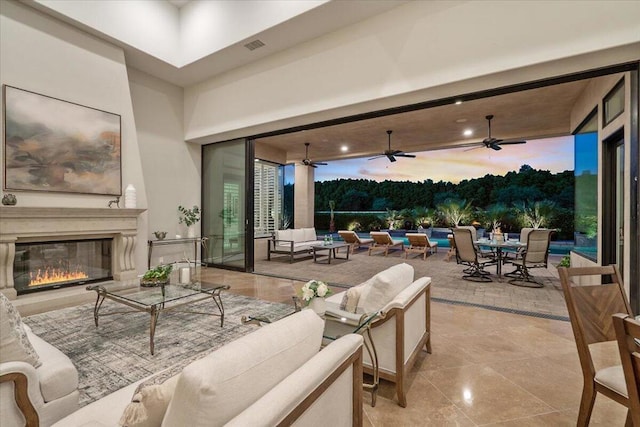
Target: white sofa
[273,376]
[38,396]
[404,326]
[292,242]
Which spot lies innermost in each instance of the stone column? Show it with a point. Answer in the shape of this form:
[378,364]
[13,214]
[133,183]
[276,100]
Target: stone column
[7,257]
[304,196]
[124,262]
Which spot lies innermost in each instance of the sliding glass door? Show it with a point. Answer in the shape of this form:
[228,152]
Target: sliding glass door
[224,201]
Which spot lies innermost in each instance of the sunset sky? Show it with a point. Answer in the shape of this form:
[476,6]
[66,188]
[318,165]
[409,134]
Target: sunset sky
[553,154]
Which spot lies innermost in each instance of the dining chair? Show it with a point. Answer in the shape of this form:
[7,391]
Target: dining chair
[591,308]
[535,255]
[628,333]
[467,254]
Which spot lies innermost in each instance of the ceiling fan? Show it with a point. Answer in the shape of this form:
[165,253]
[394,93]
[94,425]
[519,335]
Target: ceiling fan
[306,160]
[494,143]
[392,154]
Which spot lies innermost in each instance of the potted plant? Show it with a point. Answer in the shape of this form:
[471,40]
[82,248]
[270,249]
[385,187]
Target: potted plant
[313,293]
[189,217]
[157,276]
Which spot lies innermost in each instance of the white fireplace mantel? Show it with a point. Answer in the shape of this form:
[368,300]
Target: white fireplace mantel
[38,224]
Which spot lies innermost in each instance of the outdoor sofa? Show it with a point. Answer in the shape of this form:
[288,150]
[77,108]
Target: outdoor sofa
[292,242]
[276,375]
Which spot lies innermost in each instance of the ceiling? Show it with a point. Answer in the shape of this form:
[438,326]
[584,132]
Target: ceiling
[530,114]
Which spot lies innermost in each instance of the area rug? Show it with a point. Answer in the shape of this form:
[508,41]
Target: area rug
[447,283]
[116,353]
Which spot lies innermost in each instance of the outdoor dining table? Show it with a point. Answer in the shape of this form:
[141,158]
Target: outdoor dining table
[499,246]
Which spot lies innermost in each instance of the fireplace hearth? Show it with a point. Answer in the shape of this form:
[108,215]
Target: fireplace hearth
[40,266]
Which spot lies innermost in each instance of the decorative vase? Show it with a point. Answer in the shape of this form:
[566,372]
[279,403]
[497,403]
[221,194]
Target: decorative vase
[9,200]
[319,305]
[130,197]
[191,231]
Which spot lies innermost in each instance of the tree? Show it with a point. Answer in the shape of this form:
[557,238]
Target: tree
[455,211]
[536,214]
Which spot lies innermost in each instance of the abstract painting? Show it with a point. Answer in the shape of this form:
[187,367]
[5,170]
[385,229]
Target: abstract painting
[58,146]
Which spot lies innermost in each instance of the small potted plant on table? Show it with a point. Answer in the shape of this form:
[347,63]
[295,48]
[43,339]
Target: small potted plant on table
[157,276]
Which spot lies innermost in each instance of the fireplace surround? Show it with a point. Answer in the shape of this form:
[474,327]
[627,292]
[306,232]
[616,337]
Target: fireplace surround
[37,224]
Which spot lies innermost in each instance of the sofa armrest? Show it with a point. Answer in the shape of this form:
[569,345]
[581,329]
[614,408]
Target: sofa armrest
[309,391]
[407,295]
[23,379]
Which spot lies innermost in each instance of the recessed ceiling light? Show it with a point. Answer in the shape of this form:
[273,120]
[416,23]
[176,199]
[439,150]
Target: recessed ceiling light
[467,132]
[461,120]
[344,148]
[458,102]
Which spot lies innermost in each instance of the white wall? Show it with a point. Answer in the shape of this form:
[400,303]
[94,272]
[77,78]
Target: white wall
[171,167]
[415,52]
[42,55]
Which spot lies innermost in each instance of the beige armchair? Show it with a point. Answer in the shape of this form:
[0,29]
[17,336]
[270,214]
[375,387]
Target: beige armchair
[404,326]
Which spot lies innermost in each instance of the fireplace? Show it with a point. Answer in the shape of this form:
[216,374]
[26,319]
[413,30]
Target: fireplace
[40,266]
[23,226]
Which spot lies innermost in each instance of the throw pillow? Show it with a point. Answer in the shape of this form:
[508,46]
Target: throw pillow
[351,298]
[384,286]
[14,342]
[149,404]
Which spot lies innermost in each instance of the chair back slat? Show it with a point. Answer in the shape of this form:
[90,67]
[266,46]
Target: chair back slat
[418,240]
[538,241]
[381,237]
[465,249]
[628,335]
[348,236]
[590,307]
[595,305]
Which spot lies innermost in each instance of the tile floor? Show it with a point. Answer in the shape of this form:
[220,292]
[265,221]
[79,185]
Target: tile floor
[487,368]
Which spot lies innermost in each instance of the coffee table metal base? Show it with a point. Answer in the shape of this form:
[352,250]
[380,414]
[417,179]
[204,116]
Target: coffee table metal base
[154,310]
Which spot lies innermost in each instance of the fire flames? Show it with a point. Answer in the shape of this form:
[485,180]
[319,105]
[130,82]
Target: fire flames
[55,275]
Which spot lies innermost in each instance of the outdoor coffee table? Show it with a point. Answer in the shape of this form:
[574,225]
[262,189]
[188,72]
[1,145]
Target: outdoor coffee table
[331,248]
[155,300]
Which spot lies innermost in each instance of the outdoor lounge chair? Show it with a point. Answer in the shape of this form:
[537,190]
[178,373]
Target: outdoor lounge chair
[354,241]
[467,254]
[382,241]
[420,243]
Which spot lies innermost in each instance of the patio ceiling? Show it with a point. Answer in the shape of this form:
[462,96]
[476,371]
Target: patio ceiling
[530,114]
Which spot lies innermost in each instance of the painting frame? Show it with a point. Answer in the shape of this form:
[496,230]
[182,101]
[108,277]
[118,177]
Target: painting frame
[57,146]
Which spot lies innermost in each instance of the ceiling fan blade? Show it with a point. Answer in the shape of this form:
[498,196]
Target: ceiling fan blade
[377,157]
[401,154]
[495,146]
[512,142]
[391,158]
[480,145]
[320,163]
[312,165]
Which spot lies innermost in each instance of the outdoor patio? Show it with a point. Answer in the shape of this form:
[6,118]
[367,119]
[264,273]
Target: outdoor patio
[447,285]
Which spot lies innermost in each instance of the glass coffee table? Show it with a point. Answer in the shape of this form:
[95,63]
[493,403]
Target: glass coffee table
[155,300]
[331,248]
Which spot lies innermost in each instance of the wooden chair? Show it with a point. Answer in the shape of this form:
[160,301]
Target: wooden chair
[353,240]
[382,241]
[420,243]
[628,334]
[591,308]
[452,248]
[535,255]
[467,254]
